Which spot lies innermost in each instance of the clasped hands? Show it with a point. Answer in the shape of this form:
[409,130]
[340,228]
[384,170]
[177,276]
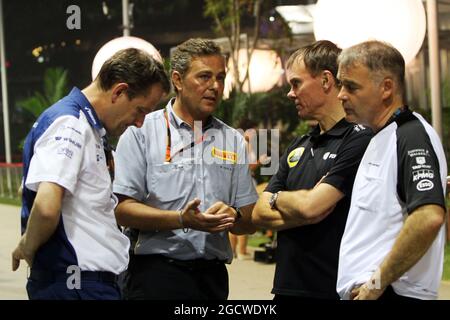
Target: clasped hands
[219,217]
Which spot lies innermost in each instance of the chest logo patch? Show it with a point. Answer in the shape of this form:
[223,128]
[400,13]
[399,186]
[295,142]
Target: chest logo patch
[224,155]
[294,156]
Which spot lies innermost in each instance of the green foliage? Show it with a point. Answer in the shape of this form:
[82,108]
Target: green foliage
[11,201]
[446,271]
[218,9]
[55,87]
[446,93]
[226,13]
[268,110]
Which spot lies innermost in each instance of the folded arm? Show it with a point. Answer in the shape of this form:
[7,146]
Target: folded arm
[296,208]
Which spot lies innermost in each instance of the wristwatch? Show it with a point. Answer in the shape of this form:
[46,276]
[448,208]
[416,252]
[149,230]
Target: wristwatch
[273,200]
[238,213]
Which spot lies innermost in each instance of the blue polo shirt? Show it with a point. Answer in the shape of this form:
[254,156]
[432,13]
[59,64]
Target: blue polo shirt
[215,169]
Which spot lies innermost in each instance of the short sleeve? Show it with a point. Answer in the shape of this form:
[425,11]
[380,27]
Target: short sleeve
[419,179]
[342,173]
[130,165]
[58,154]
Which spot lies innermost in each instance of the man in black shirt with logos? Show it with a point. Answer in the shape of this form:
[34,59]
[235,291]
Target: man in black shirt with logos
[308,199]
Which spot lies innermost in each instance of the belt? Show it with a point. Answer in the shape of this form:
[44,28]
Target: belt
[190,264]
[61,276]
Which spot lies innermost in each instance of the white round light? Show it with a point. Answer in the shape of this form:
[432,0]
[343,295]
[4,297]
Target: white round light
[401,23]
[111,47]
[265,71]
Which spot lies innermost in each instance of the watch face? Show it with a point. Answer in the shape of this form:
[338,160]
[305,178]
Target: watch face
[272,200]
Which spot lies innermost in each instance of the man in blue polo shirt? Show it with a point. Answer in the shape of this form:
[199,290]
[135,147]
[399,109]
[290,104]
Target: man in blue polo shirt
[70,236]
[183,181]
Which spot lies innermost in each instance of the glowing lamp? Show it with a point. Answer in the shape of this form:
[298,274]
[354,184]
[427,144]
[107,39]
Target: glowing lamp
[111,47]
[265,71]
[402,23]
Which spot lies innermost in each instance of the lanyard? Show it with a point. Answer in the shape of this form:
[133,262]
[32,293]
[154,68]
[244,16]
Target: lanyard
[169,157]
[109,156]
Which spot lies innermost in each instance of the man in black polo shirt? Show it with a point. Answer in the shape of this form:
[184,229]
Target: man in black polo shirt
[308,199]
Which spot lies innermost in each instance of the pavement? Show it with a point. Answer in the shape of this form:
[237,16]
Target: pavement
[249,280]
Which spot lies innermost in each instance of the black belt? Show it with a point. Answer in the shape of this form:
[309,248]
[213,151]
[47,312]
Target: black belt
[61,276]
[190,264]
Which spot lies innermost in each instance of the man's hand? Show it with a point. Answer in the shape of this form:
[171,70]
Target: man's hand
[219,217]
[20,253]
[367,291]
[222,208]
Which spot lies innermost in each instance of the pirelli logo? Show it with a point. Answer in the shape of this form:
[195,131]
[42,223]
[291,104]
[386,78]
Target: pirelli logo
[224,155]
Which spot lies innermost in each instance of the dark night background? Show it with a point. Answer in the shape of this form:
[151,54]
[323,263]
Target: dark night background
[30,24]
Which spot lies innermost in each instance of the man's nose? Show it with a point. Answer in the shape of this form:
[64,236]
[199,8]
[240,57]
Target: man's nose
[215,83]
[342,95]
[291,95]
[139,121]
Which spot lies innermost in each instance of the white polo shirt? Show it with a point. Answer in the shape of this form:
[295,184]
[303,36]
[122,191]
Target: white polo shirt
[65,147]
[402,169]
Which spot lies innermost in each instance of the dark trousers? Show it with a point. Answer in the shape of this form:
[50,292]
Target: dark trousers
[155,277]
[46,285]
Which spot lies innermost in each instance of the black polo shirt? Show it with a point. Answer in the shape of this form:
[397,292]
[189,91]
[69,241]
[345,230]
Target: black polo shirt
[307,256]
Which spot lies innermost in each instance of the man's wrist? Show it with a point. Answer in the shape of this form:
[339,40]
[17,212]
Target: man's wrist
[181,221]
[26,247]
[238,213]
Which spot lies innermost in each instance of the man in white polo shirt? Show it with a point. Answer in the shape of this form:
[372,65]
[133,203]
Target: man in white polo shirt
[393,243]
[70,238]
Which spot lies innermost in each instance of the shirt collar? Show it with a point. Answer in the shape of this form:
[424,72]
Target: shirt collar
[87,109]
[399,115]
[337,130]
[174,119]
[178,122]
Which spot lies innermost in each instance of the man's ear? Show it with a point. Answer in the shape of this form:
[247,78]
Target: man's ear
[327,80]
[117,90]
[387,87]
[177,80]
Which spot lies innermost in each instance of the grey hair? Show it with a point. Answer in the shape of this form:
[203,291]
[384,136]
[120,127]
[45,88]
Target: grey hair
[379,57]
[184,53]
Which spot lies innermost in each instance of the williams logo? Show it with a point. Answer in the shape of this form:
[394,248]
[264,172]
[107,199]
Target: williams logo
[425,185]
